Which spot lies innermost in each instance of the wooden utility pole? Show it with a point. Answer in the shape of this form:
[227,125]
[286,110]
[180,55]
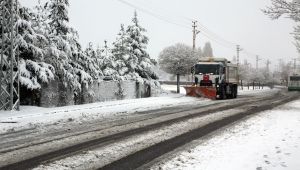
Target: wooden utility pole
[106,47]
[238,50]
[195,32]
[268,65]
[295,65]
[257,60]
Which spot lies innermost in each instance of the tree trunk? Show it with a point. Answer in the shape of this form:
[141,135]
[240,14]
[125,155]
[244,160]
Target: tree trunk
[178,83]
[242,85]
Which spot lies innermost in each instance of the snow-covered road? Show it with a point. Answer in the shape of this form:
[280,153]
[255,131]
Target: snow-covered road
[36,117]
[36,130]
[267,141]
[41,118]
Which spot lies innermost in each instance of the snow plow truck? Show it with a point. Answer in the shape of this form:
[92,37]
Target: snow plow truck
[214,78]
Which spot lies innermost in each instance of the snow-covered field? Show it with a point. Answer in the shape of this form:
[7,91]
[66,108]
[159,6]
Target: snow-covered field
[267,141]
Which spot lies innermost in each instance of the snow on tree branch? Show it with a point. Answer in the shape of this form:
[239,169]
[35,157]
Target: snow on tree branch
[283,7]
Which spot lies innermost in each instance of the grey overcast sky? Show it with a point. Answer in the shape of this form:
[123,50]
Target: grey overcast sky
[238,21]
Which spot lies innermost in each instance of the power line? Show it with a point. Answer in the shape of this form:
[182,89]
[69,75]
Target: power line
[203,29]
[153,14]
[217,41]
[215,35]
[158,9]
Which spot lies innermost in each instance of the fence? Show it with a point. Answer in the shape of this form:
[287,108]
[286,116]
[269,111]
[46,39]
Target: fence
[56,94]
[253,85]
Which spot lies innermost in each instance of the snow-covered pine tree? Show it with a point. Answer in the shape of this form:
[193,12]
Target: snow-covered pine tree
[33,69]
[39,17]
[207,50]
[199,53]
[59,17]
[65,52]
[108,62]
[120,51]
[92,62]
[139,59]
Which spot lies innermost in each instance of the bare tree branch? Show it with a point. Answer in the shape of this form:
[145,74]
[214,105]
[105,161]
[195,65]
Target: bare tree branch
[283,7]
[291,9]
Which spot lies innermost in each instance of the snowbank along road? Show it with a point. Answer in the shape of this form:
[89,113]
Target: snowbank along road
[128,141]
[268,140]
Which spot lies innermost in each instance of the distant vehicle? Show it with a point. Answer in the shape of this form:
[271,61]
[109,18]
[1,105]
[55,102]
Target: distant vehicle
[294,83]
[215,78]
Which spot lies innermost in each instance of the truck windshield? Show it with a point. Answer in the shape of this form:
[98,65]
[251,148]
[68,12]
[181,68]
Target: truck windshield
[295,78]
[207,69]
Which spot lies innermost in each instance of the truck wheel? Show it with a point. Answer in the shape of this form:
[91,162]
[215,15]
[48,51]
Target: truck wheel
[235,92]
[224,95]
[232,92]
[222,91]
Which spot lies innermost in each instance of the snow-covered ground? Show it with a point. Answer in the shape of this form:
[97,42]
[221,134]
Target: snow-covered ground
[63,117]
[37,117]
[32,117]
[267,141]
[114,151]
[172,88]
[245,91]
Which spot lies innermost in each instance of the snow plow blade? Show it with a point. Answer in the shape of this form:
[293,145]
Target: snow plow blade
[197,91]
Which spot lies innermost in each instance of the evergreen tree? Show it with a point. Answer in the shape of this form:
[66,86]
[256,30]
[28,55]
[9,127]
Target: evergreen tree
[199,53]
[39,19]
[33,69]
[120,51]
[108,62]
[59,16]
[139,59]
[92,63]
[120,46]
[65,52]
[207,50]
